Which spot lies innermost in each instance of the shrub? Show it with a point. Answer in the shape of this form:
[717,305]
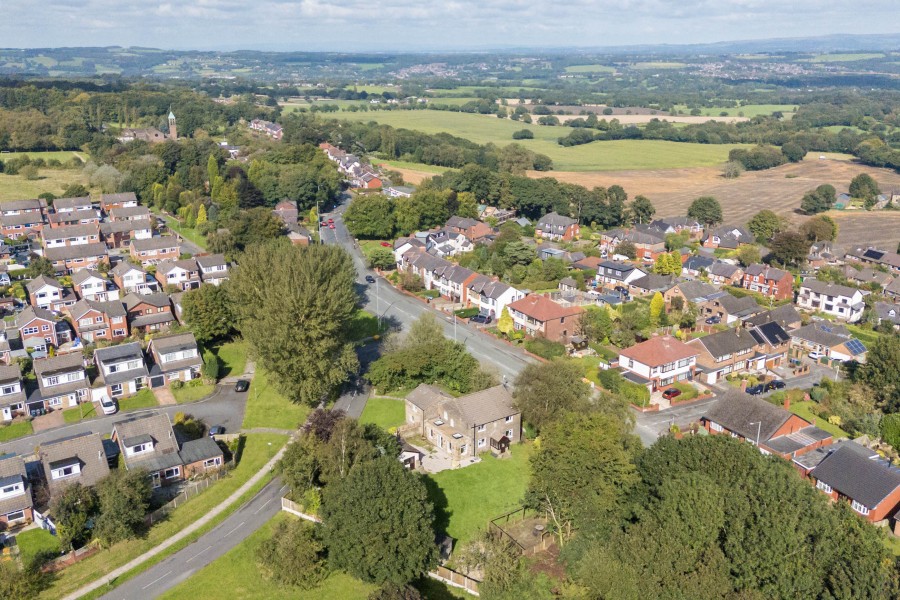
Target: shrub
[177,385]
[210,366]
[890,429]
[611,380]
[545,348]
[523,134]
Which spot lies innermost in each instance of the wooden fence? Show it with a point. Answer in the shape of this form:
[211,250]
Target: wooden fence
[295,509]
[458,580]
[57,564]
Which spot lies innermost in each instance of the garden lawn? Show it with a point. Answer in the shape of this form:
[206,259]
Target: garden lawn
[384,412]
[467,499]
[88,410]
[590,364]
[15,430]
[143,399]
[363,324]
[866,336]
[36,543]
[232,358]
[236,575]
[804,410]
[266,407]
[257,452]
[188,233]
[192,393]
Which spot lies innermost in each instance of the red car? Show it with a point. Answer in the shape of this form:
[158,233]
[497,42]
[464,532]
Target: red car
[331,221]
[331,226]
[671,393]
[386,244]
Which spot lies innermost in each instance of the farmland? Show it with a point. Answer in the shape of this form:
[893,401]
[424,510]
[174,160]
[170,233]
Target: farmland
[16,187]
[597,156]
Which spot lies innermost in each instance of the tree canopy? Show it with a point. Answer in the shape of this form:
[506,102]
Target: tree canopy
[207,310]
[371,216]
[543,391]
[707,210]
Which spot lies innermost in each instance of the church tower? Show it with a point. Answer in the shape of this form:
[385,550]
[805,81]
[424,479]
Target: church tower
[173,129]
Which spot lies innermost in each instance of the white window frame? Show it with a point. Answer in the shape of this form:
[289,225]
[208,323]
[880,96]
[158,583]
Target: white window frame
[863,510]
[172,473]
[823,486]
[482,442]
[716,427]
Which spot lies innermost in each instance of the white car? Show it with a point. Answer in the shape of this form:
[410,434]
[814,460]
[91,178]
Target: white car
[816,355]
[108,405]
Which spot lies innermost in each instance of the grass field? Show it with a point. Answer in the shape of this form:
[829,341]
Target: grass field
[36,543]
[826,58]
[658,65]
[590,69]
[232,358]
[597,156]
[87,410]
[62,155]
[236,575]
[749,111]
[467,499]
[16,187]
[400,164]
[15,430]
[257,452]
[268,408]
[384,412]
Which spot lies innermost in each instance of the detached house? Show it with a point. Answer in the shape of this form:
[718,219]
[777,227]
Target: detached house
[659,362]
[213,268]
[771,428]
[96,321]
[175,357]
[727,236]
[723,273]
[47,293]
[122,370]
[62,381]
[181,274]
[833,341]
[471,228]
[485,421]
[149,312]
[539,316]
[91,285]
[771,282]
[841,301]
[16,504]
[154,250]
[132,279]
[40,329]
[12,396]
[648,242]
[557,228]
[612,273]
[868,482]
[76,459]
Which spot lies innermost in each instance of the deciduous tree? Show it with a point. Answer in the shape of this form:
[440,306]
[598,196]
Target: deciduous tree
[73,510]
[642,210]
[293,556]
[764,225]
[820,228]
[124,497]
[864,187]
[789,247]
[818,200]
[543,391]
[371,216]
[207,310]
[707,210]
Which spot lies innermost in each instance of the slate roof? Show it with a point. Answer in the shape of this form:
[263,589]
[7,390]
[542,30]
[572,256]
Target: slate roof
[653,282]
[488,288]
[63,363]
[730,341]
[697,263]
[888,312]
[698,291]
[40,281]
[12,470]
[739,307]
[485,406]
[827,335]
[783,315]
[119,353]
[555,221]
[85,449]
[723,269]
[72,204]
[812,459]
[155,243]
[74,252]
[541,308]
[202,448]
[865,480]
[158,429]
[767,272]
[735,410]
[830,289]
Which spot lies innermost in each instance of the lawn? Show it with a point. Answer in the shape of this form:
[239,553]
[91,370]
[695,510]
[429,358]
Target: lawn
[749,111]
[804,410]
[364,325]
[37,543]
[192,393]
[266,407]
[823,58]
[16,187]
[597,156]
[400,164]
[866,336]
[232,358]
[257,452]
[62,155]
[188,233]
[236,575]
[467,499]
[83,411]
[15,430]
[384,412]
[590,365]
[143,399]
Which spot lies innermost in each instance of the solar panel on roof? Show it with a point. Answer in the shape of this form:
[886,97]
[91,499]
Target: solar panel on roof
[855,347]
[873,254]
[826,328]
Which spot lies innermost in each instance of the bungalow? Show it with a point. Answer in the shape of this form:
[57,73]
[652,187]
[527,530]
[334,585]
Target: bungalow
[870,255]
[16,503]
[845,303]
[490,296]
[213,268]
[95,321]
[772,429]
[175,357]
[91,285]
[80,459]
[833,341]
[557,228]
[612,273]
[869,483]
[40,329]
[62,380]
[118,234]
[539,316]
[694,292]
[133,279]
[148,312]
[887,312]
[69,205]
[122,370]
[75,217]
[129,213]
[110,201]
[870,276]
[48,293]
[154,250]
[770,282]
[727,236]
[485,421]
[71,235]
[27,224]
[723,273]
[660,361]
[12,395]
[69,259]
[650,284]
[181,274]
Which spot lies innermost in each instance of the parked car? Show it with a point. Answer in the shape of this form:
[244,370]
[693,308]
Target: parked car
[775,385]
[756,390]
[370,279]
[714,320]
[671,393]
[815,355]
[242,385]
[331,221]
[108,405]
[484,319]
[216,430]
[386,244]
[331,226]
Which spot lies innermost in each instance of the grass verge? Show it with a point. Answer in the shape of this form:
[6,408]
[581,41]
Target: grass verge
[266,407]
[192,393]
[232,358]
[384,412]
[15,430]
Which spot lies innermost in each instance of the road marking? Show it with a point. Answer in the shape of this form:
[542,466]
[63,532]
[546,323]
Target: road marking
[262,507]
[199,553]
[156,580]
[235,529]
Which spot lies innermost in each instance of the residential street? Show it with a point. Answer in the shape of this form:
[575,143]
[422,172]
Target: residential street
[162,577]
[651,425]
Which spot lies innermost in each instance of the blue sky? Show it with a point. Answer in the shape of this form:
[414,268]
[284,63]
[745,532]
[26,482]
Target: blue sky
[416,25]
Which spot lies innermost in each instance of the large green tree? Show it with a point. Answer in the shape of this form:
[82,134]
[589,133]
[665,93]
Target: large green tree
[207,310]
[293,306]
[864,187]
[371,216]
[293,556]
[882,372]
[707,210]
[764,225]
[73,510]
[124,497]
[820,228]
[379,523]
[789,247]
[546,390]
[818,200]
[642,210]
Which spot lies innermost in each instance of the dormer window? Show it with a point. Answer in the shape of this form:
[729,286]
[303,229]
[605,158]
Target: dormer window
[140,448]
[65,468]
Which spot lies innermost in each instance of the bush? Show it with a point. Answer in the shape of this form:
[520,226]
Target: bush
[523,134]
[177,385]
[466,313]
[545,348]
[890,430]
[210,366]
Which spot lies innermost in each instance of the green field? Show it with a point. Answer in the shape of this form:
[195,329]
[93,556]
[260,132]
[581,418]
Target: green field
[16,187]
[826,58]
[384,412]
[399,164]
[749,111]
[62,155]
[266,407]
[659,65]
[590,69]
[232,358]
[597,156]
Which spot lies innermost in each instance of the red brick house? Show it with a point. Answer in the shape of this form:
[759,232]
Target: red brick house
[16,503]
[154,250]
[773,429]
[27,224]
[556,227]
[75,217]
[471,228]
[39,329]
[860,477]
[118,234]
[149,312]
[539,316]
[770,282]
[95,321]
[68,259]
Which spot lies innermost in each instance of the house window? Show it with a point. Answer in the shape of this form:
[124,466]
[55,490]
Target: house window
[8,389]
[715,426]
[863,510]
[140,448]
[116,389]
[9,490]
[119,332]
[65,472]
[630,363]
[172,473]
[463,448]
[212,462]
[510,418]
[823,486]
[98,319]
[509,433]
[55,401]
[684,363]
[29,330]
[45,328]
[481,442]
[482,427]
[15,516]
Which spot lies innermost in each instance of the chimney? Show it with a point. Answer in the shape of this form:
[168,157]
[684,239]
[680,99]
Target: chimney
[787,402]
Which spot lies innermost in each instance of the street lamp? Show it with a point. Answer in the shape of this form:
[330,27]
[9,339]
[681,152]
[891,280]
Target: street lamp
[758,428]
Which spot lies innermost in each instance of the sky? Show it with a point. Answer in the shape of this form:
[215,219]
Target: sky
[423,25]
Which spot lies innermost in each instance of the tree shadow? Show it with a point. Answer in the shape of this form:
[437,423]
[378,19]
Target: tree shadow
[439,500]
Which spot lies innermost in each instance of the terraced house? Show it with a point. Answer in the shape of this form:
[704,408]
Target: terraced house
[770,282]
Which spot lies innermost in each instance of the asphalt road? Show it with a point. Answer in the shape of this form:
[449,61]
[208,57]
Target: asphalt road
[162,577]
[225,407]
[650,426]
